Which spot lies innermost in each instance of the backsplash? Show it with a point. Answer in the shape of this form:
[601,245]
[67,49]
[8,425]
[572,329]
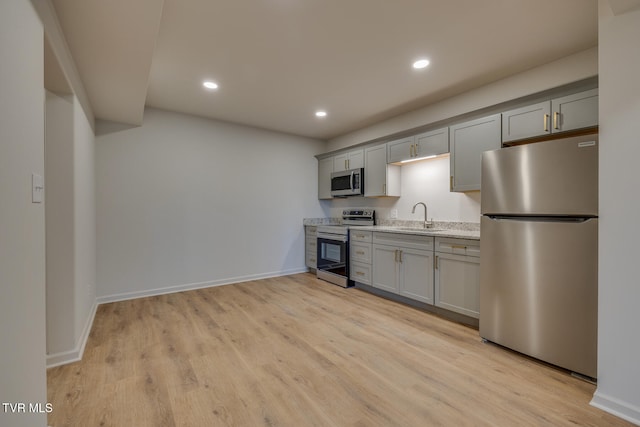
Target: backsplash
[426,181]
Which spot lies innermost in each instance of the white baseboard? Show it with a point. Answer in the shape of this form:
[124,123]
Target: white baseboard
[616,407]
[74,355]
[192,286]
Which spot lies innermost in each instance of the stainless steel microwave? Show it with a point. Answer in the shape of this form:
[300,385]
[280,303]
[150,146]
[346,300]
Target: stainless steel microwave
[347,183]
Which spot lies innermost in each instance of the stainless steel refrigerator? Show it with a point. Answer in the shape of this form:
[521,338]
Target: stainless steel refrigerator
[539,259]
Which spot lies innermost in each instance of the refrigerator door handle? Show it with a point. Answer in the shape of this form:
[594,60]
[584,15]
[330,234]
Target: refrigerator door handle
[541,218]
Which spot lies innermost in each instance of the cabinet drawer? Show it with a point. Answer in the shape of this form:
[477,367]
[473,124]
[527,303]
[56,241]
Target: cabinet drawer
[360,236]
[404,240]
[360,272]
[360,252]
[458,246]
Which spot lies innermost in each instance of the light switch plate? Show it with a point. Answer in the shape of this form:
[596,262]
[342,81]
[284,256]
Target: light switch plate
[393,214]
[37,188]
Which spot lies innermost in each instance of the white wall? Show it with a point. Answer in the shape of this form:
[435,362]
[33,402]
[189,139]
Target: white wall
[70,228]
[554,74]
[184,202]
[84,192]
[619,286]
[22,236]
[424,181]
[59,176]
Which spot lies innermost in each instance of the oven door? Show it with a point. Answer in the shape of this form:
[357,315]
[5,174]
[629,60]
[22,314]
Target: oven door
[333,259]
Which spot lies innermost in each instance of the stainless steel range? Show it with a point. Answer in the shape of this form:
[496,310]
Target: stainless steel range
[333,246]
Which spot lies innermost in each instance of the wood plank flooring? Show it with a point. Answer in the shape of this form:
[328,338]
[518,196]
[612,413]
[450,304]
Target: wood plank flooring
[296,351]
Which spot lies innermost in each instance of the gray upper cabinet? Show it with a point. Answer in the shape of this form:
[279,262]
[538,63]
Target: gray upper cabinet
[571,112]
[349,160]
[426,144]
[400,149]
[468,141]
[325,168]
[380,178]
[576,111]
[526,122]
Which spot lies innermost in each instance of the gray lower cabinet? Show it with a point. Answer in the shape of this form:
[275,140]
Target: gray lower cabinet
[403,264]
[360,256]
[468,141]
[457,276]
[567,113]
[311,246]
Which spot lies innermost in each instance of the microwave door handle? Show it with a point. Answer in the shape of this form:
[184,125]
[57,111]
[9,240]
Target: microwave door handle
[351,181]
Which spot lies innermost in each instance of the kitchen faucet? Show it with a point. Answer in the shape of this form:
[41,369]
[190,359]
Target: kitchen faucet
[427,224]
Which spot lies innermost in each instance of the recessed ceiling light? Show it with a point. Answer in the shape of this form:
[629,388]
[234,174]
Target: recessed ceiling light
[321,113]
[421,63]
[210,85]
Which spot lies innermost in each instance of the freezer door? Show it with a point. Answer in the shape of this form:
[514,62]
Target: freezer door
[557,177]
[538,289]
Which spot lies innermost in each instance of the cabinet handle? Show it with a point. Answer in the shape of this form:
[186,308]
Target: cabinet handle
[556,120]
[451,183]
[395,253]
[546,123]
[384,188]
[458,247]
[360,252]
[359,273]
[415,149]
[400,258]
[435,262]
[412,150]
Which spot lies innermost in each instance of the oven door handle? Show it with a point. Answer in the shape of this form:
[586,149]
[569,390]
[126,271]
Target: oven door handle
[333,237]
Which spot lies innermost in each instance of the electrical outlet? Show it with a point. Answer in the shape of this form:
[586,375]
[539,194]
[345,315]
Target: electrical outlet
[393,214]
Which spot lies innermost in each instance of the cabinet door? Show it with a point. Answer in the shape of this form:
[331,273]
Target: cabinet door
[457,284]
[576,111]
[526,122]
[385,268]
[432,143]
[351,160]
[340,162]
[468,141]
[356,159]
[325,168]
[416,274]
[380,179]
[399,150]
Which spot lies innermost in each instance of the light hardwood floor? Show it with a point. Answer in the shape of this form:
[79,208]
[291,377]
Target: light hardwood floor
[296,351]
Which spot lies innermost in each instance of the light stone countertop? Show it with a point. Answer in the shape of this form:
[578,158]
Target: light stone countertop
[456,230]
[436,232]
